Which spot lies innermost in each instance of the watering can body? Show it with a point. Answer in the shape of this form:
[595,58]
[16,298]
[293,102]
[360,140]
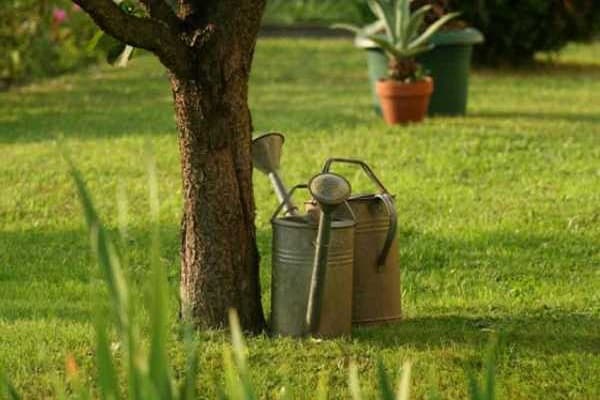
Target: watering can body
[293,254]
[376,287]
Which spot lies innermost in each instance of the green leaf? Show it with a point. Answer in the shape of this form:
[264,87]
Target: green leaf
[416,20]
[386,46]
[410,53]
[93,43]
[348,27]
[374,28]
[404,6]
[377,6]
[433,28]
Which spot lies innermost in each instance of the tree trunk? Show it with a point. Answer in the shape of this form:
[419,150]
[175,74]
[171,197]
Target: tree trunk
[207,46]
[219,257]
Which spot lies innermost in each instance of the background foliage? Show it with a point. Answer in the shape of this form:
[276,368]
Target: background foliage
[42,38]
[514,30]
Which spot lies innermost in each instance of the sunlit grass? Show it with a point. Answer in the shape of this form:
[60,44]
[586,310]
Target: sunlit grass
[499,220]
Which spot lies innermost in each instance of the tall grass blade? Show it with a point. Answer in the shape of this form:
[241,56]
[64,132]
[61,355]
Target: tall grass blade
[403,392]
[123,212]
[385,388]
[108,383]
[354,382]
[239,352]
[490,367]
[104,250]
[487,391]
[474,389]
[323,386]
[187,389]
[7,390]
[110,266]
[158,299]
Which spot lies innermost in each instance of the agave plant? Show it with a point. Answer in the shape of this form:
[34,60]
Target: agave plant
[403,37]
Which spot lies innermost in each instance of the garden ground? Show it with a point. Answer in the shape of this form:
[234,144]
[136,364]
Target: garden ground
[499,220]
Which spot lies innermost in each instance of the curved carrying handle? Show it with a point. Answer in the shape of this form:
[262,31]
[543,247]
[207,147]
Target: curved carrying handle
[287,198]
[384,196]
[391,233]
[364,166]
[305,186]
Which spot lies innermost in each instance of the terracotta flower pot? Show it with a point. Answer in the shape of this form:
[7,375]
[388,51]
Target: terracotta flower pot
[404,102]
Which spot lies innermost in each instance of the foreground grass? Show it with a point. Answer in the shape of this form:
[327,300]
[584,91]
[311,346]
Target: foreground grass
[499,220]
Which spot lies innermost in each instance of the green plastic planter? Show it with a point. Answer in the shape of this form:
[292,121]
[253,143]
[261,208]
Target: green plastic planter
[448,64]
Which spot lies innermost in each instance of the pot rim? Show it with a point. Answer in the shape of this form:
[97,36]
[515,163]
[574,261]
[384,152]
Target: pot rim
[392,88]
[425,81]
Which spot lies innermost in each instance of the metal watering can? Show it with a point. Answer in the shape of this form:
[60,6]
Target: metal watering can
[377,296]
[321,287]
[311,286]
[312,263]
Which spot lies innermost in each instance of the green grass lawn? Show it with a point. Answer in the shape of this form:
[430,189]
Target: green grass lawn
[499,220]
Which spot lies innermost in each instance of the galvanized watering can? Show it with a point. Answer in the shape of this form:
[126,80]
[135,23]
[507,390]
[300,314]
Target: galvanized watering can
[298,264]
[376,290]
[339,271]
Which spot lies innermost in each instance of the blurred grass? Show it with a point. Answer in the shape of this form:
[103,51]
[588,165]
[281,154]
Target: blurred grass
[499,217]
[318,12]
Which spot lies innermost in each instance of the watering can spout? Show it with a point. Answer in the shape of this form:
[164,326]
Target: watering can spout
[266,152]
[266,155]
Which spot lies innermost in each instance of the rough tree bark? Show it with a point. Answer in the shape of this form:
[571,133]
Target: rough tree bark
[207,46]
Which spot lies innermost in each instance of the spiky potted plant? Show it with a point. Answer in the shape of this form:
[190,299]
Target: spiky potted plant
[404,95]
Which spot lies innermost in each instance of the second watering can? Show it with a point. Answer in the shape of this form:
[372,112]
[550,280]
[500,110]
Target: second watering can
[376,292]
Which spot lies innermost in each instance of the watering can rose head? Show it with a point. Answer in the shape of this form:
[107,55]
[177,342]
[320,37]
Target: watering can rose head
[399,33]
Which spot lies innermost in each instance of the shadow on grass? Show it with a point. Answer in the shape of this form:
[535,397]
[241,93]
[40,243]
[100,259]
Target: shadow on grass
[539,115]
[540,333]
[562,69]
[82,108]
[500,252]
[58,261]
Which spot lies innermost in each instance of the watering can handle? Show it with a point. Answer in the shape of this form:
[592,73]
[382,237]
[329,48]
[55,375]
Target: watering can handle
[287,198]
[384,196]
[391,233]
[305,186]
[364,166]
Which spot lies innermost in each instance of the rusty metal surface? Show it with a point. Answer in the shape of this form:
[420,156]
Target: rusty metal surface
[377,286]
[377,295]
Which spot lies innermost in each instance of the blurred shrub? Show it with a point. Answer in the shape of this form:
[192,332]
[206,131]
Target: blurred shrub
[516,29]
[42,38]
